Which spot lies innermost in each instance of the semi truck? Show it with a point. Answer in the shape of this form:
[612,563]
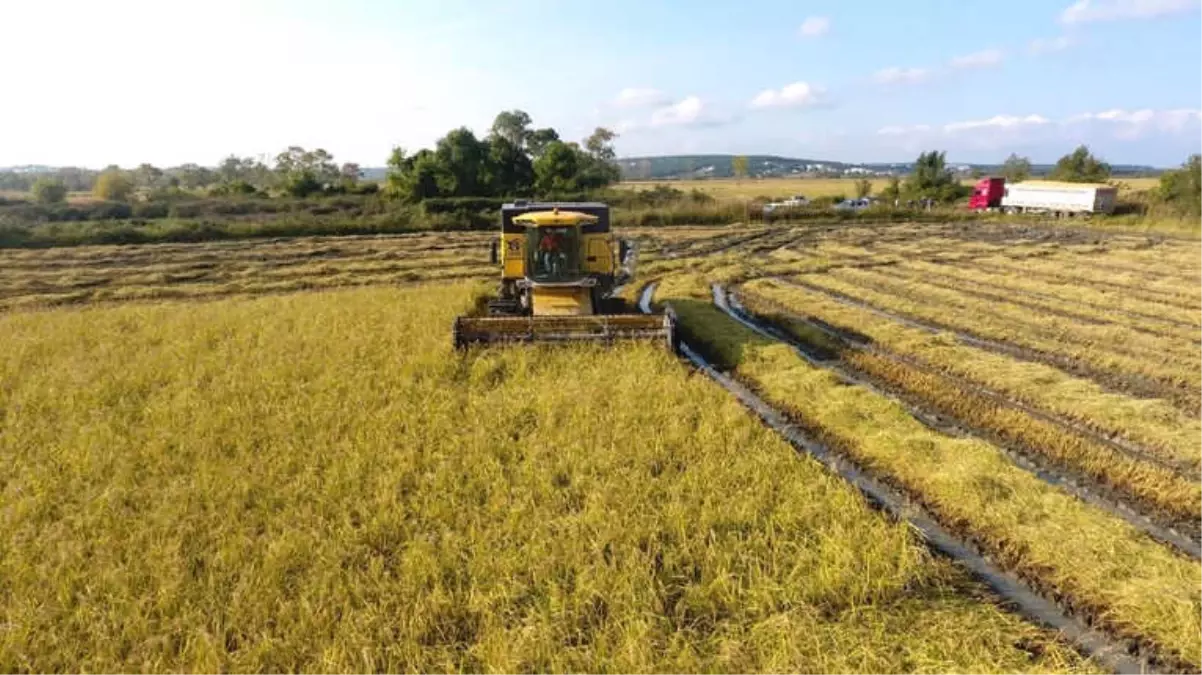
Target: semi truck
[1041,196]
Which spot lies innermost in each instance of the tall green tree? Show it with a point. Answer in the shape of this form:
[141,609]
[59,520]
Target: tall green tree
[303,172]
[465,159]
[417,177]
[513,126]
[1080,166]
[539,139]
[1016,169]
[509,169]
[557,168]
[932,179]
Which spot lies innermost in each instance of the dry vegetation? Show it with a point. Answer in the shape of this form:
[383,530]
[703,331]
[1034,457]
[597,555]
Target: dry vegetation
[314,481]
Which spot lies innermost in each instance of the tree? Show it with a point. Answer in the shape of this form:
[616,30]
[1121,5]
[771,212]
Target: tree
[931,179]
[539,139]
[513,126]
[302,172]
[600,144]
[892,191]
[1182,188]
[193,176]
[112,185]
[1080,166]
[417,177]
[49,190]
[1016,169]
[147,175]
[739,165]
[597,166]
[465,159]
[863,188]
[509,169]
[556,169]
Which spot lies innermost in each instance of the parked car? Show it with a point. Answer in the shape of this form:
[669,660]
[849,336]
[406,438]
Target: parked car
[796,201]
[853,204]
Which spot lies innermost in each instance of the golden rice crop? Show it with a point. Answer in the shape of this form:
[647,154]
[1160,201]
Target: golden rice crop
[317,482]
[1095,561]
[1154,425]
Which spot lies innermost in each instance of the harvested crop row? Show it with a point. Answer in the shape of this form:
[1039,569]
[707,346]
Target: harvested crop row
[1158,490]
[317,483]
[180,290]
[1096,299]
[24,283]
[1097,563]
[1168,380]
[963,280]
[1045,327]
[1078,272]
[1155,426]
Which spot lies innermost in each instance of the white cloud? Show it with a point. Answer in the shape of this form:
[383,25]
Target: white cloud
[1048,45]
[682,113]
[981,59]
[1134,122]
[1084,11]
[896,75]
[904,130]
[640,97]
[796,95]
[815,26]
[997,121]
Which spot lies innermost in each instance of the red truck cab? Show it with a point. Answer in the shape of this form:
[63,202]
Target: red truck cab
[987,193]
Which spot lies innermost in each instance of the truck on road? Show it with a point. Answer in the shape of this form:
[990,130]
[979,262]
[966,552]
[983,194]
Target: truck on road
[1040,196]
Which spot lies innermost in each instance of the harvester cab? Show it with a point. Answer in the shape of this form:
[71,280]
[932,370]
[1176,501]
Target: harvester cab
[560,266]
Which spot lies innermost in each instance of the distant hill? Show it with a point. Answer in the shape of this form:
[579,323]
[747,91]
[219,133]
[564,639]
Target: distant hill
[684,167]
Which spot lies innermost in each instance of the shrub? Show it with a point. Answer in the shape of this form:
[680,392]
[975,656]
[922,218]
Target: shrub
[49,190]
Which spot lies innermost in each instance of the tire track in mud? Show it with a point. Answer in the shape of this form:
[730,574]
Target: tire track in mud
[1108,651]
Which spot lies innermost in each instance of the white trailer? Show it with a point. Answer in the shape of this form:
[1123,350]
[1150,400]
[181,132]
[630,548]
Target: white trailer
[1037,196]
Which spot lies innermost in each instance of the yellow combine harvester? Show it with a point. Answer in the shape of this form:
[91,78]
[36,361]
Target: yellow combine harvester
[559,268]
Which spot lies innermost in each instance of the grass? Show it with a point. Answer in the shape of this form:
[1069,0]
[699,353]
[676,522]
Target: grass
[1094,561]
[316,482]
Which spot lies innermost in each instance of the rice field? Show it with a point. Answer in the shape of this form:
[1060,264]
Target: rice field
[265,456]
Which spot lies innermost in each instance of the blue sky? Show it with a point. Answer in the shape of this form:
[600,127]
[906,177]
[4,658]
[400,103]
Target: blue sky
[130,81]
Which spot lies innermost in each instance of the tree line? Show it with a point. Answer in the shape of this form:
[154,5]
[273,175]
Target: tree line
[513,159]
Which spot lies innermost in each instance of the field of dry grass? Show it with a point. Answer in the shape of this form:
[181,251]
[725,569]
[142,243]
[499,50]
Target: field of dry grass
[316,482]
[265,456]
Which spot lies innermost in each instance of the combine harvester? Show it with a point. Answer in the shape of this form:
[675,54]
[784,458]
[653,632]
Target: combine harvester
[559,271]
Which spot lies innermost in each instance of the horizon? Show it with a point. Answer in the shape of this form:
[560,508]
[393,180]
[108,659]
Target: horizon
[826,83]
